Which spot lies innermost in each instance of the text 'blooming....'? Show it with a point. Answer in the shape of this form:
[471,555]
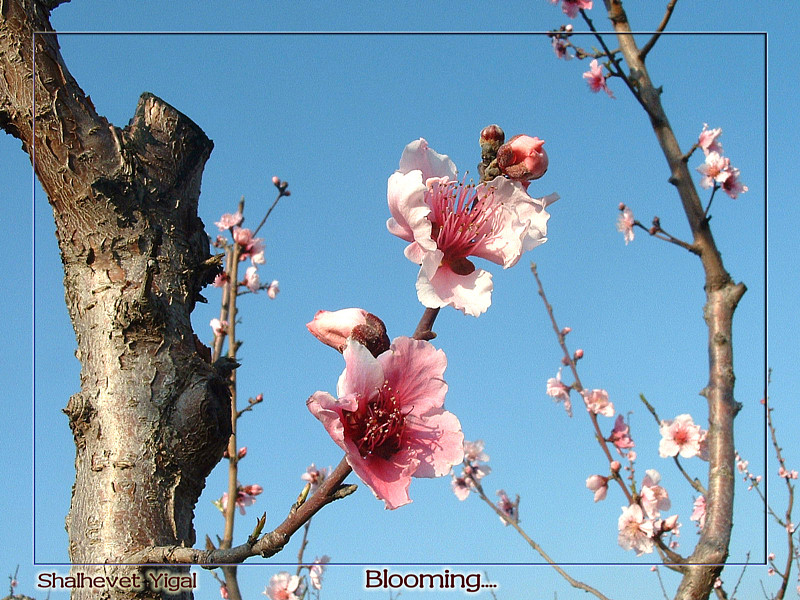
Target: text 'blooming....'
[389,417]
[447,221]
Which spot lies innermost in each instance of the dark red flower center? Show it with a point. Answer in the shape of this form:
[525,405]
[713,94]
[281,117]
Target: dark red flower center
[376,427]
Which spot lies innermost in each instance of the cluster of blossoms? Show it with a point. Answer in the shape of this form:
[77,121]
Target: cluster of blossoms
[717,170]
[473,470]
[284,586]
[749,478]
[389,415]
[446,221]
[640,523]
[245,496]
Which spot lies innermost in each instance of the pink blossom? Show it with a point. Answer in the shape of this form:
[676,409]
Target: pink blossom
[597,402]
[315,476]
[251,279]
[571,7]
[707,140]
[249,245]
[654,498]
[446,221]
[679,436]
[620,436]
[389,418]
[218,327]
[221,279]
[559,392]
[599,485]
[282,586]
[508,508]
[316,570]
[522,158]
[635,532]
[732,185]
[462,486]
[699,512]
[273,289]
[560,48]
[473,452]
[223,591]
[258,258]
[625,224]
[595,78]
[714,169]
[242,452]
[229,220]
[245,496]
[334,328]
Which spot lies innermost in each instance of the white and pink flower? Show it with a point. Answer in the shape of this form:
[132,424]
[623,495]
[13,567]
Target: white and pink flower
[597,402]
[228,220]
[680,436]
[316,570]
[446,222]
[596,79]
[707,140]
[620,435]
[571,7]
[635,531]
[389,417]
[251,279]
[559,392]
[699,512]
[283,586]
[625,224]
[273,289]
[599,485]
[653,497]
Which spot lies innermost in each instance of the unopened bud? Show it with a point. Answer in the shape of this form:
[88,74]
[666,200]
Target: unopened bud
[523,158]
[493,133]
[656,222]
[334,328]
[578,354]
[568,28]
[276,180]
[652,230]
[615,466]
[565,360]
[242,452]
[566,330]
[621,206]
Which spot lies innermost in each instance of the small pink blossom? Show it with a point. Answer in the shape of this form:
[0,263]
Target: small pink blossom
[258,258]
[315,476]
[679,436]
[249,245]
[473,452]
[635,532]
[221,279]
[707,140]
[282,586]
[571,7]
[251,279]
[273,289]
[595,78]
[625,224]
[245,496]
[229,220]
[620,435]
[522,158]
[218,327]
[242,452]
[508,508]
[445,222]
[771,556]
[653,497]
[599,485]
[597,402]
[714,169]
[334,328]
[389,417]
[732,185]
[223,591]
[560,48]
[316,570]
[699,512]
[559,392]
[783,472]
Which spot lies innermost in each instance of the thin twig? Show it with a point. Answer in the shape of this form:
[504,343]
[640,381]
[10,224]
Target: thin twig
[661,26]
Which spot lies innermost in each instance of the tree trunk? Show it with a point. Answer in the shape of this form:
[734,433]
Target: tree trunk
[152,417]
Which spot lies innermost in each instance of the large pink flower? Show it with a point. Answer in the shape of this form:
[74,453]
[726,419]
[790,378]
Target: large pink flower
[389,417]
[446,221]
[680,436]
[635,532]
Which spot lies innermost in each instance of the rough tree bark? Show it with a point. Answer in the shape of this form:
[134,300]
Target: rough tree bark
[152,416]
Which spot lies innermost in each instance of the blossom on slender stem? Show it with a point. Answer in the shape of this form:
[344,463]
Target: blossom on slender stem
[620,435]
[654,498]
[598,403]
[699,512]
[679,436]
[446,222]
[315,476]
[714,169]
[599,485]
[560,48]
[461,485]
[473,452]
[571,7]
[625,223]
[229,220]
[273,289]
[596,79]
[389,417]
[635,532]
[316,570]
[732,185]
[221,279]
[559,392]
[249,245]
[707,140]
[218,327]
[251,279]
[245,496]
[282,586]
[508,508]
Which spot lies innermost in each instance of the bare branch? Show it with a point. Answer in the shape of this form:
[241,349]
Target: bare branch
[661,26]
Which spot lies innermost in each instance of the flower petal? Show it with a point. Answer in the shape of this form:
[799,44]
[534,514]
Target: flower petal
[362,372]
[415,371]
[418,155]
[406,197]
[471,294]
[439,443]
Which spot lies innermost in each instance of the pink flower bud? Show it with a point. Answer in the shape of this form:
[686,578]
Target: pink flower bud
[335,328]
[566,330]
[615,466]
[621,206]
[242,452]
[578,354]
[276,180]
[260,397]
[252,490]
[493,133]
[669,523]
[523,158]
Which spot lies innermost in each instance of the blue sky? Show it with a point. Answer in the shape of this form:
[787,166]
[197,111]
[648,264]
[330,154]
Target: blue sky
[331,114]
